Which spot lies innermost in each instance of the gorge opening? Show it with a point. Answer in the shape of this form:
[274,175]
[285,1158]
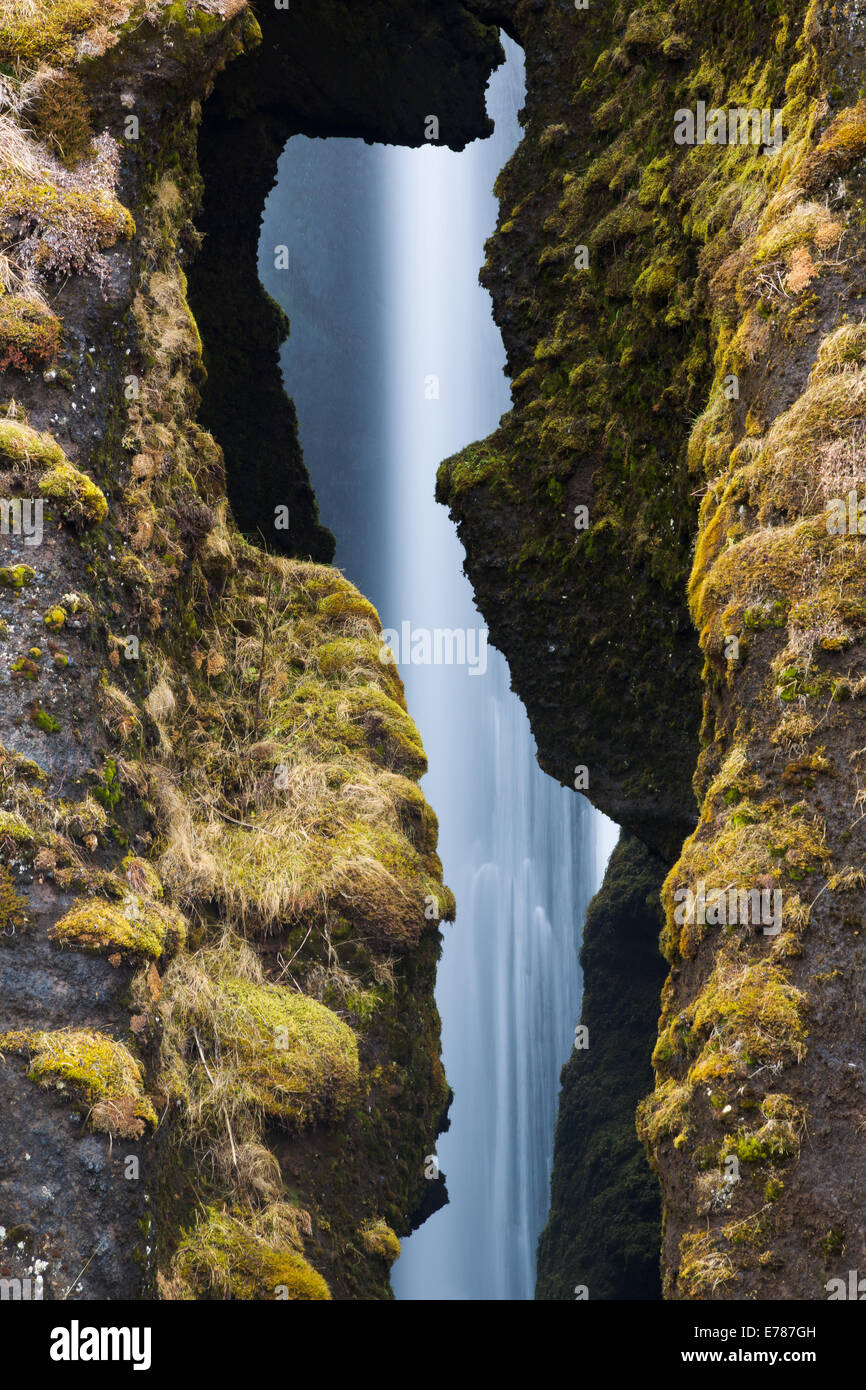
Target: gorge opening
[394,362]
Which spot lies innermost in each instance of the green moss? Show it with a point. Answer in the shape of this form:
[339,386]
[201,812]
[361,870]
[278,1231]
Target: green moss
[98,1073]
[15,828]
[44,721]
[61,116]
[16,577]
[13,908]
[142,876]
[25,668]
[79,499]
[347,606]
[55,618]
[280,1052]
[752,1014]
[23,447]
[47,30]
[109,790]
[140,928]
[469,469]
[778,1138]
[377,1238]
[704,1266]
[223,1258]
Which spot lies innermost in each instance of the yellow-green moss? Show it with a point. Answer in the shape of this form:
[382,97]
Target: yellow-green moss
[23,447]
[752,1015]
[140,928]
[97,1072]
[47,30]
[278,1052]
[77,224]
[664,1112]
[349,605]
[223,1258]
[704,1266]
[55,618]
[13,907]
[377,1238]
[79,499]
[16,577]
[776,1139]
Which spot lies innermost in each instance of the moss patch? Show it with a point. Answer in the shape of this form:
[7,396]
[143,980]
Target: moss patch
[79,499]
[98,1073]
[222,1257]
[140,928]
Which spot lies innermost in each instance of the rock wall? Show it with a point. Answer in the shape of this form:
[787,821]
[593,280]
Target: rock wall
[219,888]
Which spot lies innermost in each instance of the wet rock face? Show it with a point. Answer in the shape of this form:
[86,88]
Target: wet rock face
[74,1217]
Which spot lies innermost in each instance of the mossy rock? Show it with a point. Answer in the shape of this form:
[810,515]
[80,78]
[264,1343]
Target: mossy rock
[223,1258]
[29,334]
[15,577]
[79,499]
[23,447]
[98,1073]
[349,604]
[377,1238]
[288,1055]
[140,928]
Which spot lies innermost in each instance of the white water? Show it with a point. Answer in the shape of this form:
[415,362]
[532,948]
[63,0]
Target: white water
[522,854]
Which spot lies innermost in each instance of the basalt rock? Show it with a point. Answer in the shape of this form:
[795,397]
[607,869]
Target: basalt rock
[219,1049]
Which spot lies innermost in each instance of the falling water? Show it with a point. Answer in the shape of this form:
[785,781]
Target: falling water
[385,245]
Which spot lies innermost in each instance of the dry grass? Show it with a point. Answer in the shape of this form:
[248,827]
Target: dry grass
[303,804]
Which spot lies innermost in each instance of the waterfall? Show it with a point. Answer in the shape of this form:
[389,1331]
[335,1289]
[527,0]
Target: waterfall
[394,362]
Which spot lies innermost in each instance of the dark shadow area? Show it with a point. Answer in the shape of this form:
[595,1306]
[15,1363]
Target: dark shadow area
[604,1227]
[323,69]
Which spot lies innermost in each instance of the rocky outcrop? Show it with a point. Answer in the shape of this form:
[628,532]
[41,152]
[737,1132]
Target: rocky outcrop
[334,69]
[679,306]
[219,887]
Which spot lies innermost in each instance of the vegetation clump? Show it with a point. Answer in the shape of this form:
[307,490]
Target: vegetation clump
[61,116]
[23,447]
[33,31]
[227,1257]
[140,927]
[15,577]
[29,333]
[79,499]
[260,1049]
[321,816]
[377,1238]
[99,1073]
